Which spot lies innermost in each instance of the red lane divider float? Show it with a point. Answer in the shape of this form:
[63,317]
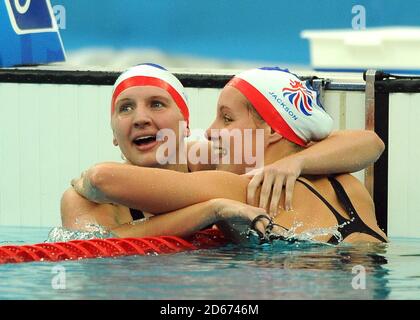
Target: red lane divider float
[105,248]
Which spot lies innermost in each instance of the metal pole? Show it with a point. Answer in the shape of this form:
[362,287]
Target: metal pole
[370,122]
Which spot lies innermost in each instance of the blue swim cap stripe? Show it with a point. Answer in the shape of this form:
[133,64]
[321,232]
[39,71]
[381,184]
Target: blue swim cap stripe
[152,65]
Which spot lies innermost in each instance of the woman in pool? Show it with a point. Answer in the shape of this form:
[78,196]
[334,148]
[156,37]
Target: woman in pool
[164,106]
[160,191]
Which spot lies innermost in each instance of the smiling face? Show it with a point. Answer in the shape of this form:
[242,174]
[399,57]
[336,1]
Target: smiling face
[140,112]
[234,118]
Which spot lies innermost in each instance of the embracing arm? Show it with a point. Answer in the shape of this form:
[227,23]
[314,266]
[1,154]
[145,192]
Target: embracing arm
[157,190]
[342,151]
[184,222]
[79,213]
[176,223]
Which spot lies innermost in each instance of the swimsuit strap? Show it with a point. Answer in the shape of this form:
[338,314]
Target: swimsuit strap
[357,224]
[347,227]
[338,216]
[343,197]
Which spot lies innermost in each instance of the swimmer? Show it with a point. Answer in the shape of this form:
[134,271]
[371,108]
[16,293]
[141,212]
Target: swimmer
[138,113]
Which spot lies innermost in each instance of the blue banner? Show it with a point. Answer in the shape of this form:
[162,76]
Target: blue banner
[28,33]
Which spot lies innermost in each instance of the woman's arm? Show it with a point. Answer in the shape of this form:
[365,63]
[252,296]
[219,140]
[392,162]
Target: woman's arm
[183,222]
[79,213]
[157,190]
[342,151]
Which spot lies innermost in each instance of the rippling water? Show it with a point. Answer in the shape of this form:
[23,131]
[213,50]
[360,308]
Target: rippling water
[277,271]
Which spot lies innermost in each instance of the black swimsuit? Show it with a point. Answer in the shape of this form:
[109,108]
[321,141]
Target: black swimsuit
[345,226]
[136,214]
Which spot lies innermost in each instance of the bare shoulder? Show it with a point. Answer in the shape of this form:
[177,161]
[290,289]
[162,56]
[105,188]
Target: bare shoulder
[355,187]
[351,184]
[307,202]
[71,199]
[74,207]
[356,191]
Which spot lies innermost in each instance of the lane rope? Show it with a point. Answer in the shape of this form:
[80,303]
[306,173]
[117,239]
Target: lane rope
[113,247]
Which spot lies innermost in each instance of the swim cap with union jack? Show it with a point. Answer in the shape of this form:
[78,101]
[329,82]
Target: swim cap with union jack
[289,106]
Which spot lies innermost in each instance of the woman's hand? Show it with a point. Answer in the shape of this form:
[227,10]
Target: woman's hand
[78,185]
[234,218]
[86,189]
[273,177]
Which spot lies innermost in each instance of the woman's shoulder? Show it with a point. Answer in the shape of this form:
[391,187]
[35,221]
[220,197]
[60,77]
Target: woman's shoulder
[346,180]
[354,188]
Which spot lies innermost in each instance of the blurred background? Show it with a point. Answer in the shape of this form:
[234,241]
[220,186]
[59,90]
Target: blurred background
[212,34]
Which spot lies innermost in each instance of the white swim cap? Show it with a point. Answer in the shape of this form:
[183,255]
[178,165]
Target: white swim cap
[149,74]
[291,107]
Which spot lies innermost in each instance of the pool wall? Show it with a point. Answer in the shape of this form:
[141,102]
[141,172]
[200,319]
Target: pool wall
[403,174]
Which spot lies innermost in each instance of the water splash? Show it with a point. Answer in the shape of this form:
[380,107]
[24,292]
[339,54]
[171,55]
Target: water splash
[312,234]
[93,231]
[308,235]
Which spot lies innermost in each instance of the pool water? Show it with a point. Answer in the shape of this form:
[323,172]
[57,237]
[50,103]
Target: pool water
[277,271]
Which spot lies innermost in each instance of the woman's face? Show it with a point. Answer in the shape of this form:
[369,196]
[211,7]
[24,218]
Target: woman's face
[140,112]
[235,133]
